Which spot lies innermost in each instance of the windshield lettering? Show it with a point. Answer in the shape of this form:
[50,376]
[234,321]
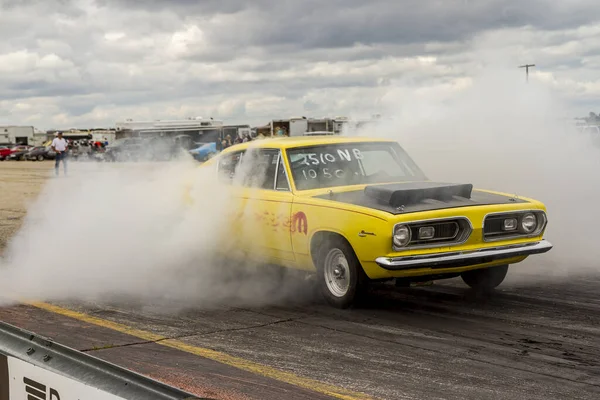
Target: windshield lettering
[344,154]
[342,164]
[325,158]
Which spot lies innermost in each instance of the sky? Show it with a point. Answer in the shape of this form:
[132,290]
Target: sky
[84,64]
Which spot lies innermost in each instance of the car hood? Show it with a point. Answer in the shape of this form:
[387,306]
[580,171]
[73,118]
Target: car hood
[401,198]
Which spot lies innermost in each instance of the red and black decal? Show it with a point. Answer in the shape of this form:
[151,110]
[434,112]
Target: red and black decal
[299,223]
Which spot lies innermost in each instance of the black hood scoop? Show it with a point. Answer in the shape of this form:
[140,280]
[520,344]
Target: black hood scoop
[407,197]
[410,193]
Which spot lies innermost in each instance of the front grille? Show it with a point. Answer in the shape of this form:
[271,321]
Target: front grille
[446,232]
[493,225]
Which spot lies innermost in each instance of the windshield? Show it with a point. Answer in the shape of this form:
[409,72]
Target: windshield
[342,164]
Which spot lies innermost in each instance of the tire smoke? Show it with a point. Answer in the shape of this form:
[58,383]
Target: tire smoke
[148,232]
[503,134]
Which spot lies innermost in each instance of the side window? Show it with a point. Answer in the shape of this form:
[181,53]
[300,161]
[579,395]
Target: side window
[228,166]
[282,181]
[259,167]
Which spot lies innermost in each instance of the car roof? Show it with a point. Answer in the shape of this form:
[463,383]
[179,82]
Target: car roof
[301,141]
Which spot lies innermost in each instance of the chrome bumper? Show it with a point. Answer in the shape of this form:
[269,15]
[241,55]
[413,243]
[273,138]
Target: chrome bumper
[463,258]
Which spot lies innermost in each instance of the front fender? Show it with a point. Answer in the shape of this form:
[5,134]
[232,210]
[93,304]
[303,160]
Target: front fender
[368,235]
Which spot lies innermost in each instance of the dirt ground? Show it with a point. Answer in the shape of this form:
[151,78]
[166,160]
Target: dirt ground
[539,340]
[20,182]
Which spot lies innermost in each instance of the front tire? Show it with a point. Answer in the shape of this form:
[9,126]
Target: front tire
[485,280]
[342,280]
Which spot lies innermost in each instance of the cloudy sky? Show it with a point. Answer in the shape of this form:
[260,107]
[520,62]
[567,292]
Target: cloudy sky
[69,63]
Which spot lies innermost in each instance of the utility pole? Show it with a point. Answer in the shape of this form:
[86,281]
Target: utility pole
[527,66]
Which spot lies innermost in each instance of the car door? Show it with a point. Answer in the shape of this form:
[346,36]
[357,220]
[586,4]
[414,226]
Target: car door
[268,206]
[233,211]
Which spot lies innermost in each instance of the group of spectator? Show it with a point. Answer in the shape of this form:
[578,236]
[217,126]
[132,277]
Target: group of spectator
[279,131]
[228,141]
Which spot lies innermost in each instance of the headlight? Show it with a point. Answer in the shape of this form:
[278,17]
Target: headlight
[401,235]
[529,223]
[509,224]
[426,232]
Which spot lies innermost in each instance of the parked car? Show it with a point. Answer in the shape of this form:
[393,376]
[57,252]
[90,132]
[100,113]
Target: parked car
[154,148]
[357,210]
[123,149]
[40,153]
[6,154]
[18,153]
[204,152]
[4,151]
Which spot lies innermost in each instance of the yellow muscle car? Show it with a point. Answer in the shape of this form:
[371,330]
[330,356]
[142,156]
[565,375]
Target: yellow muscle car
[359,209]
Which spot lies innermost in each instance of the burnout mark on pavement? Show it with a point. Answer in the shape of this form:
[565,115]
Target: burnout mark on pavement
[240,363]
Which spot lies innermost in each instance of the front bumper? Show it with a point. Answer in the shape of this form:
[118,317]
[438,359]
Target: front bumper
[463,258]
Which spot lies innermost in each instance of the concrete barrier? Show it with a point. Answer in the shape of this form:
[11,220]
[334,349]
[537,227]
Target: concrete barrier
[36,368]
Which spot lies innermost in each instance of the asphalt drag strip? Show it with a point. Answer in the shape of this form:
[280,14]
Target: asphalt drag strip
[539,340]
[535,342]
[203,377]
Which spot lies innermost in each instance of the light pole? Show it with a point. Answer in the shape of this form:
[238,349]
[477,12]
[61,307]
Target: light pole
[527,66]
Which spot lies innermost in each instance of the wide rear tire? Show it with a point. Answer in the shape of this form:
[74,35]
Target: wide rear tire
[485,280]
[341,279]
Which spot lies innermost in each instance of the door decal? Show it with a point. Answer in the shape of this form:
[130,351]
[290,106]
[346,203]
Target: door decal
[279,222]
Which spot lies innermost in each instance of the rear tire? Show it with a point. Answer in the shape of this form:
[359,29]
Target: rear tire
[341,279]
[485,280]
[40,157]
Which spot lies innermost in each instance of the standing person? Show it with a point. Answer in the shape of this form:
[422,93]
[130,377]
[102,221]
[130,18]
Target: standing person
[59,145]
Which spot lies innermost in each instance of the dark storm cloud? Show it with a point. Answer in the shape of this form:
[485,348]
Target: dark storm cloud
[151,55]
[184,7]
[191,88]
[41,88]
[42,8]
[11,4]
[342,23]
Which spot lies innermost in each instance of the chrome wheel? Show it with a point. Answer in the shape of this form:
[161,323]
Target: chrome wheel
[337,272]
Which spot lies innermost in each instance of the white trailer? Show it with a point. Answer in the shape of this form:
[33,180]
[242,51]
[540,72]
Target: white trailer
[199,129]
[295,126]
[23,135]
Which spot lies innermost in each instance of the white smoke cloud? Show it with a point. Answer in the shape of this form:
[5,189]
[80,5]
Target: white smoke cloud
[126,230]
[501,133]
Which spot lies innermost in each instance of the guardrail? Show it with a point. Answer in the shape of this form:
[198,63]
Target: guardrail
[35,368]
